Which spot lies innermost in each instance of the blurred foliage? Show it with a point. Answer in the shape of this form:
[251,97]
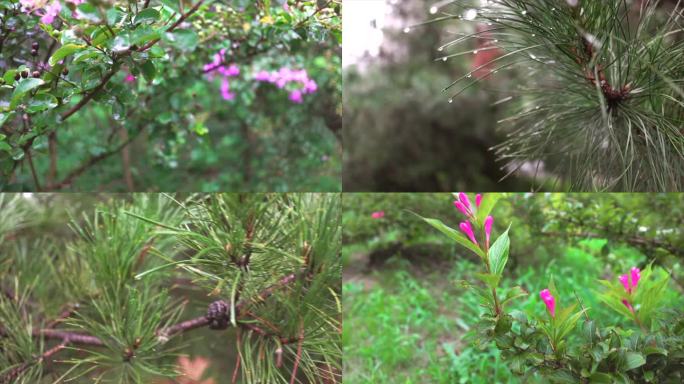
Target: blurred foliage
[142,63]
[401,133]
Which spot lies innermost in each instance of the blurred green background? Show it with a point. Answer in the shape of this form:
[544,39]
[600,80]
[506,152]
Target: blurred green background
[407,317]
[400,131]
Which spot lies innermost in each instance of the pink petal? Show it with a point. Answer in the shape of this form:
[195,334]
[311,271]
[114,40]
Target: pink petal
[488,226]
[636,275]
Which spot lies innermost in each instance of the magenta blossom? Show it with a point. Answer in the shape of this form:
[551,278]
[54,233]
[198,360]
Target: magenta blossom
[297,81]
[467,228]
[463,198]
[630,284]
[129,78]
[296,96]
[488,228]
[463,204]
[550,302]
[478,200]
[461,208]
[628,305]
[378,215]
[225,90]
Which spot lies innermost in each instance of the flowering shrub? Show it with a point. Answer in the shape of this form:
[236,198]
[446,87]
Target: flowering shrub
[559,347]
[189,79]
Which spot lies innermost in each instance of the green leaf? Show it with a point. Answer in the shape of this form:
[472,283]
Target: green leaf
[498,253]
[655,350]
[172,4]
[23,87]
[562,376]
[147,15]
[9,76]
[491,280]
[62,52]
[183,39]
[4,117]
[148,70]
[486,205]
[513,294]
[455,235]
[85,54]
[633,360]
[601,378]
[41,102]
[89,12]
[589,331]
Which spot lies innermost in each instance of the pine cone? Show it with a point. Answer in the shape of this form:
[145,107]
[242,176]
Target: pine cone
[217,313]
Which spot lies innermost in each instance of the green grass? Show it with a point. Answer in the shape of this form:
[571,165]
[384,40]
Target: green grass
[408,329]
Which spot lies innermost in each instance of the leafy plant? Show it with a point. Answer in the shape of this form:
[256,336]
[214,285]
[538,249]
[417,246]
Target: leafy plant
[112,302]
[192,85]
[552,348]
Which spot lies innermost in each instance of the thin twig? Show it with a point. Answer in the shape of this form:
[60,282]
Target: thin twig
[238,360]
[299,353]
[92,93]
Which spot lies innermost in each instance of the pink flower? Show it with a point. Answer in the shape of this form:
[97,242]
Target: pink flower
[262,76]
[463,204]
[378,215]
[635,275]
[225,90]
[229,71]
[129,78]
[310,86]
[624,279]
[478,200]
[550,302]
[50,12]
[296,96]
[628,305]
[488,227]
[467,228]
[463,198]
[461,208]
[286,6]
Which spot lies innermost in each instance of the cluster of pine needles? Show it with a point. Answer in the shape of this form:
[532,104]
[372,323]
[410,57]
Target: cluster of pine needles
[598,97]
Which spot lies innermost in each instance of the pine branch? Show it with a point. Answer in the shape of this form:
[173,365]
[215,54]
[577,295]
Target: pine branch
[75,338]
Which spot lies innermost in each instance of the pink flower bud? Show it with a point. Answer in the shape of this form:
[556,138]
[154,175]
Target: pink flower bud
[488,227]
[550,302]
[378,215]
[628,305]
[461,208]
[478,200]
[468,230]
[463,198]
[624,279]
[636,275]
[630,284]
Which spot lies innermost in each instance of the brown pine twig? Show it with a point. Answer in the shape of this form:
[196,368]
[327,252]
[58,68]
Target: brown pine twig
[299,353]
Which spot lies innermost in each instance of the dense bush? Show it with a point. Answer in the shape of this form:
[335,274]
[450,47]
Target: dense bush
[190,95]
